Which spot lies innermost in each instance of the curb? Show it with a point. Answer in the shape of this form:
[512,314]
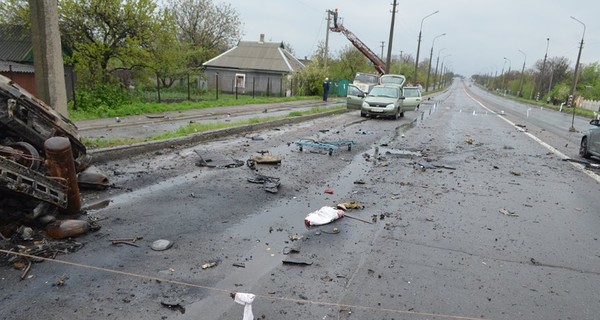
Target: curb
[121,152]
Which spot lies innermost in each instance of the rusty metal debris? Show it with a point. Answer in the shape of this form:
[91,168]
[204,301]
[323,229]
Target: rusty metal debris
[59,159]
[92,178]
[40,154]
[61,229]
[127,241]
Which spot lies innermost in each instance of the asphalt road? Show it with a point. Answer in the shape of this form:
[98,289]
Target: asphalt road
[472,216]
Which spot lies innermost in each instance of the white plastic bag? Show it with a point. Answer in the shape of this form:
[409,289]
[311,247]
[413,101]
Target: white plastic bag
[323,216]
[246,300]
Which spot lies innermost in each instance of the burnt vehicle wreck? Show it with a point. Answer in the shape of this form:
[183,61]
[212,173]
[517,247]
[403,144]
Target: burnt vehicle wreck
[41,155]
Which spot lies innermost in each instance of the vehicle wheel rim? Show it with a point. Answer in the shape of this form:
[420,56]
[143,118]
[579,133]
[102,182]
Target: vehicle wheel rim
[583,147]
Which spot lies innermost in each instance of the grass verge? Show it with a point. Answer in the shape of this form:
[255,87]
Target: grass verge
[194,128]
[155,107]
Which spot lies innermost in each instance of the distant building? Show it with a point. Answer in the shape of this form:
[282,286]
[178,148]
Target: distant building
[16,58]
[261,68]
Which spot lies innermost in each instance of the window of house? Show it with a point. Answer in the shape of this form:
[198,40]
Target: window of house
[240,80]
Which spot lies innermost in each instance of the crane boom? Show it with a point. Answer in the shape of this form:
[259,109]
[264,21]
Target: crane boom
[377,62]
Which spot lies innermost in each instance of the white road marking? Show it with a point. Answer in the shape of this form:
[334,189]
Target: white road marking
[579,166]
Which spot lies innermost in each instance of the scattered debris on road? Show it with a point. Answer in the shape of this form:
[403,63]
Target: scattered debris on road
[211,160]
[297,262]
[506,212]
[210,264]
[265,157]
[70,228]
[330,146]
[270,184]
[161,245]
[349,205]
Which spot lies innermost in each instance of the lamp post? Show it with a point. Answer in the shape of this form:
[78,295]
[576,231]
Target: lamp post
[544,66]
[576,76]
[436,68]
[507,72]
[502,74]
[520,94]
[430,58]
[442,69]
[419,43]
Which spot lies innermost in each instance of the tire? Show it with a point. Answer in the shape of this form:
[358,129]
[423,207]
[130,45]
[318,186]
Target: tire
[402,114]
[583,148]
[397,115]
[364,115]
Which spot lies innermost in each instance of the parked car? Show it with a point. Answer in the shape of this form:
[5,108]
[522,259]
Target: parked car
[354,97]
[396,79]
[383,101]
[412,98]
[590,142]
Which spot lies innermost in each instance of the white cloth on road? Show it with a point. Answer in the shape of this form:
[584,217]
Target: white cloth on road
[323,216]
[246,300]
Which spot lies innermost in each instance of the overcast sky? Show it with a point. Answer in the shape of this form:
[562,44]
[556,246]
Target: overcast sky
[479,33]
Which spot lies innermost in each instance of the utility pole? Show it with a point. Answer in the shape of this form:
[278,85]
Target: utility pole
[383,46]
[47,55]
[325,55]
[520,94]
[401,62]
[576,76]
[436,68]
[544,67]
[389,53]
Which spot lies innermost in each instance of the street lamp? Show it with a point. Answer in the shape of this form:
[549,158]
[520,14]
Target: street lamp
[436,68]
[442,69]
[520,94]
[572,129]
[508,72]
[430,58]
[502,74]
[419,42]
[544,67]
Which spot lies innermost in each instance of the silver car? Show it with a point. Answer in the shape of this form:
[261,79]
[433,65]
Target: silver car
[354,97]
[383,101]
[590,142]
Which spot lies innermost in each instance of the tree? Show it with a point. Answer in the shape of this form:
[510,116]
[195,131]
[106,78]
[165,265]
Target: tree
[14,12]
[166,56]
[108,34]
[207,28]
[350,62]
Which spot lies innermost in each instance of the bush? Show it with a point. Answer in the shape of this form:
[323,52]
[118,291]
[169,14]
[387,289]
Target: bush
[102,98]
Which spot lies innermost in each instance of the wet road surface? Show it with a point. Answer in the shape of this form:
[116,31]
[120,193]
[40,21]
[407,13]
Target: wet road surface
[470,218]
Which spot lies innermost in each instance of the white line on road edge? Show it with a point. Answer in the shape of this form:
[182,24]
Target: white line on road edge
[579,166]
